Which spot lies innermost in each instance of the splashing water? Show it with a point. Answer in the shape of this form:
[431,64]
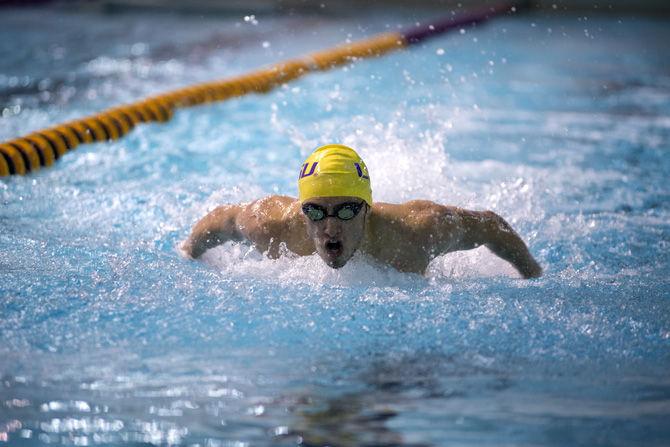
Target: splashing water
[109,336]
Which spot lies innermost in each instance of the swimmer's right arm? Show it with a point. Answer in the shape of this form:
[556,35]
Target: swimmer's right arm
[216,228]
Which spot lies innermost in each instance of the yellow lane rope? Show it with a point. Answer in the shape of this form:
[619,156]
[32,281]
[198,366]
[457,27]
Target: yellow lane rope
[29,153]
[43,147]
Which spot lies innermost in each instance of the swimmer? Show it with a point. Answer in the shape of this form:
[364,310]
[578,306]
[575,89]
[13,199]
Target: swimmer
[334,216]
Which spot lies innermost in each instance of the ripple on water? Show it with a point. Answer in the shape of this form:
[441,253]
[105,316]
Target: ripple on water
[111,337]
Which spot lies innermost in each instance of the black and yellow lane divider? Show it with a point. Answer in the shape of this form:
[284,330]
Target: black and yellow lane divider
[42,148]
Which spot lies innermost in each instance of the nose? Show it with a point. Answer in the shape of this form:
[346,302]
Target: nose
[331,227]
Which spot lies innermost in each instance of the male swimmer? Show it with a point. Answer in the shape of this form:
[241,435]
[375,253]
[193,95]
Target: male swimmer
[334,216]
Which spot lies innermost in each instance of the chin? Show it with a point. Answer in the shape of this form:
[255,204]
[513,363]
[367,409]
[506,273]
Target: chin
[336,263]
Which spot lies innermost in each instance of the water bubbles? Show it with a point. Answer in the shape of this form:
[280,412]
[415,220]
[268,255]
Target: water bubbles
[44,84]
[81,406]
[11,111]
[17,403]
[257,410]
[139,49]
[53,406]
[439,51]
[265,44]
[225,392]
[251,19]
[58,52]
[281,430]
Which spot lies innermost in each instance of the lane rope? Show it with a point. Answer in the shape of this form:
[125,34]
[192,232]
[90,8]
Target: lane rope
[41,148]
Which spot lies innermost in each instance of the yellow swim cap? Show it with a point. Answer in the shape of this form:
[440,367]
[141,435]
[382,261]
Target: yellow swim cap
[334,170]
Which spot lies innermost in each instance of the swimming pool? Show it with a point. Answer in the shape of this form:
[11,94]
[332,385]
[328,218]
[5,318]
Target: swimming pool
[561,124]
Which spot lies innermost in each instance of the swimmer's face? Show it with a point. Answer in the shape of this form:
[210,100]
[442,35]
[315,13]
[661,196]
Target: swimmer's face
[336,238]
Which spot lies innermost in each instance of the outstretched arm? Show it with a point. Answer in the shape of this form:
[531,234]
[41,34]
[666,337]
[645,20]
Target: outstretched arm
[487,228]
[214,229]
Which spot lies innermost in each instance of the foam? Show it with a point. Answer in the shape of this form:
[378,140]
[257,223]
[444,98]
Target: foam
[241,260]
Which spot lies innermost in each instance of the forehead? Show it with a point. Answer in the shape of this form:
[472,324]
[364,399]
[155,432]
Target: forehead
[332,201]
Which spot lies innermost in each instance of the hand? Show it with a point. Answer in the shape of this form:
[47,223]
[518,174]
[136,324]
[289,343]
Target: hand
[531,270]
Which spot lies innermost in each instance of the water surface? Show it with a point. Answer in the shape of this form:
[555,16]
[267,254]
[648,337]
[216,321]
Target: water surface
[561,124]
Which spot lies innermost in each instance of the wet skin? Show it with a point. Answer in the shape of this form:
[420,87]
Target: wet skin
[336,240]
[405,236]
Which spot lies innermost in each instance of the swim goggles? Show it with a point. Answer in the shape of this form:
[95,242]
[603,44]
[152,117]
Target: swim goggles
[343,211]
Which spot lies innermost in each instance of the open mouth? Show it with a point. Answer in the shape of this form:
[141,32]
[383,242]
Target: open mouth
[334,247]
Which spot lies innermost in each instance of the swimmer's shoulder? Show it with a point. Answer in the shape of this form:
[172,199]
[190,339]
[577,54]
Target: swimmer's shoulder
[422,222]
[275,219]
[414,211]
[269,214]
[270,207]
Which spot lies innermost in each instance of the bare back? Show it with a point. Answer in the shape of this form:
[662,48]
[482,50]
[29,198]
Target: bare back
[410,235]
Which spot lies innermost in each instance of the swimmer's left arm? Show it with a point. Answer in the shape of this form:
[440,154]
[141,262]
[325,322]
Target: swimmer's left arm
[489,229]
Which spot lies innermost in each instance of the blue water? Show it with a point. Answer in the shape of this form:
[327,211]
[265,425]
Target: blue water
[560,123]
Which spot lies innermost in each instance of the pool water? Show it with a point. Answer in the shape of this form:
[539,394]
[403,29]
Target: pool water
[559,123]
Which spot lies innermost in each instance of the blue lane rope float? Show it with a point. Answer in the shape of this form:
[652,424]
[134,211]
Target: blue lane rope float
[41,148]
